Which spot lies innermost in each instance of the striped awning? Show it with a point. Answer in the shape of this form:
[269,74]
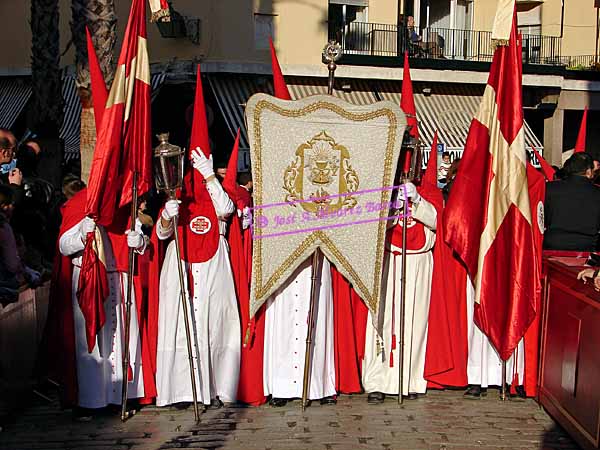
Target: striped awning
[71,127]
[355,91]
[232,91]
[14,94]
[448,109]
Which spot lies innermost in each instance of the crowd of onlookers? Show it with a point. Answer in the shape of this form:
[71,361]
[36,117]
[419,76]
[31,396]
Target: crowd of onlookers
[29,216]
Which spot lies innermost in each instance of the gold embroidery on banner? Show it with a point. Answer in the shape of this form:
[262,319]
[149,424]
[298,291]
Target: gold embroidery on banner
[326,165]
[371,297]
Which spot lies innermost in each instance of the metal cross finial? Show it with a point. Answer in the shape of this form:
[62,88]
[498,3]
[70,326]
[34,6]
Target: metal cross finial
[332,52]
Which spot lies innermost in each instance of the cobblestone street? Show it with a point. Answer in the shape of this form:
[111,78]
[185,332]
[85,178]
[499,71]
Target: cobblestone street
[439,421]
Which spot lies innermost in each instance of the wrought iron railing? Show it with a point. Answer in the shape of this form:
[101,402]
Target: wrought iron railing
[376,39]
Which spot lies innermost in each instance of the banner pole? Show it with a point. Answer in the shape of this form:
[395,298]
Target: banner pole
[503,391]
[130,271]
[311,311]
[402,297]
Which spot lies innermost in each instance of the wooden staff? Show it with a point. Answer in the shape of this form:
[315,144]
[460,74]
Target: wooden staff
[503,391]
[130,271]
[311,310]
[402,293]
[186,318]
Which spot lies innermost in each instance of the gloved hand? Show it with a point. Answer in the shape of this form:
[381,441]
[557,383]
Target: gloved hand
[202,164]
[246,218]
[87,226]
[411,193]
[171,209]
[135,239]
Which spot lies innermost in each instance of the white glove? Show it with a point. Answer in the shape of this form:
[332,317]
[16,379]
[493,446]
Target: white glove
[411,193]
[171,209]
[246,218]
[87,226]
[202,164]
[135,239]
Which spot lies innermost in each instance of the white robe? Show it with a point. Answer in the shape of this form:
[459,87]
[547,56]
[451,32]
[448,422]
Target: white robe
[484,366]
[286,326]
[377,375]
[214,321]
[100,373]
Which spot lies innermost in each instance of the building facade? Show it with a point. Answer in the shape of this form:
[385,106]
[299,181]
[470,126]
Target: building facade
[449,43]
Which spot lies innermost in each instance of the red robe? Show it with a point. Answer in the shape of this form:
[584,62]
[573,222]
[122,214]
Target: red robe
[250,387]
[537,191]
[350,324]
[59,335]
[447,349]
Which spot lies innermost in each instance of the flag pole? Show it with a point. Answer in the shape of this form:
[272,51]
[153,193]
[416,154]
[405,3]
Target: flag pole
[503,391]
[402,295]
[125,414]
[309,332]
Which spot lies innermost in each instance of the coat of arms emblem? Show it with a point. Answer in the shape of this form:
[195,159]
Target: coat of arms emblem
[321,172]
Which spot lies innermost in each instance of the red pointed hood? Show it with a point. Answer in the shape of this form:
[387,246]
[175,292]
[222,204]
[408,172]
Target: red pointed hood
[98,85]
[547,169]
[281,89]
[428,188]
[407,99]
[230,181]
[194,185]
[580,144]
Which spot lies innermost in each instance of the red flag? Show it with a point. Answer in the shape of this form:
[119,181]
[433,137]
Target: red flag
[98,85]
[123,144]
[281,89]
[488,216]
[580,144]
[547,169]
[93,288]
[407,100]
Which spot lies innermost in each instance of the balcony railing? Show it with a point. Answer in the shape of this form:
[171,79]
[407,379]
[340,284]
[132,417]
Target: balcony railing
[376,39]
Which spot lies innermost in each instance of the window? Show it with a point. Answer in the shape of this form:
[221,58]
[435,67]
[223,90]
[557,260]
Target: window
[348,23]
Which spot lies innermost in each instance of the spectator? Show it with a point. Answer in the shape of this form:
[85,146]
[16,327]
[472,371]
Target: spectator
[71,185]
[413,35]
[12,273]
[444,166]
[572,207]
[9,173]
[450,176]
[245,180]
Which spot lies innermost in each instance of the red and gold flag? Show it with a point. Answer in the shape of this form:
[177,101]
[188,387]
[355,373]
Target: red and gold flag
[123,147]
[123,144]
[488,216]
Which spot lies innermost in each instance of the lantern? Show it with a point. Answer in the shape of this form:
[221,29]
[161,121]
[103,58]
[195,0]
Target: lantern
[168,173]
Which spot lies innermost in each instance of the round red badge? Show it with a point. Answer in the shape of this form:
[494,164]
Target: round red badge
[200,225]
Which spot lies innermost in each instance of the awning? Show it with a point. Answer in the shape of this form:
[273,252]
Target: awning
[71,127]
[446,108]
[69,131]
[14,94]
[232,91]
[355,91]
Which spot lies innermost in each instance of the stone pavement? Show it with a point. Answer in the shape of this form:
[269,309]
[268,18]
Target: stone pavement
[439,421]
